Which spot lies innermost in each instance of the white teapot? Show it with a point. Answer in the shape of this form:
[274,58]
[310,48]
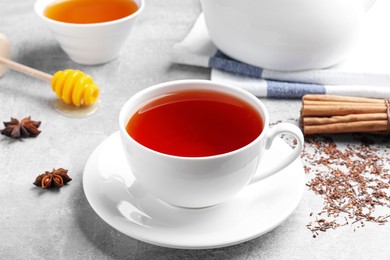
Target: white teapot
[287,35]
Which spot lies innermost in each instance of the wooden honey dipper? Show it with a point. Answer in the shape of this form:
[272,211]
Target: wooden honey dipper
[71,86]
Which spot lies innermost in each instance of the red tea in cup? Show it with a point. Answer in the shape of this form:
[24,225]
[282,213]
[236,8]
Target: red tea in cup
[195,123]
[90,11]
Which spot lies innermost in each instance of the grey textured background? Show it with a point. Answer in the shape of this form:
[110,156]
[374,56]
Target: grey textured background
[37,224]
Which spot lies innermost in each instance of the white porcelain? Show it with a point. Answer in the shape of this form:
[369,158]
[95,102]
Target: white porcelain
[201,181]
[285,34]
[116,196]
[90,44]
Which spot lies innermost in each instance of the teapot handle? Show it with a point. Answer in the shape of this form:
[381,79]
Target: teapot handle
[368,4]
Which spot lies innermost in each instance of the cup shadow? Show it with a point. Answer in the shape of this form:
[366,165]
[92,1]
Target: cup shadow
[47,57]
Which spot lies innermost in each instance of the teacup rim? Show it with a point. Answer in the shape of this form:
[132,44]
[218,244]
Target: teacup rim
[124,113]
[40,13]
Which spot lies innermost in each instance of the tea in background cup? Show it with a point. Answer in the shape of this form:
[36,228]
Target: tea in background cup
[90,31]
[196,143]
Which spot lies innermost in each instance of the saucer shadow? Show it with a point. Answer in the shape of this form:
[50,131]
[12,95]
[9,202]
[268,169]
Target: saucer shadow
[114,244]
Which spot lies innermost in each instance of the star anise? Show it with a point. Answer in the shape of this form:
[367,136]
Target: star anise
[24,128]
[56,178]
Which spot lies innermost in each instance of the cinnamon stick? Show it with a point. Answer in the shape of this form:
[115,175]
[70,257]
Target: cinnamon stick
[361,127]
[343,119]
[325,114]
[315,97]
[341,110]
[341,103]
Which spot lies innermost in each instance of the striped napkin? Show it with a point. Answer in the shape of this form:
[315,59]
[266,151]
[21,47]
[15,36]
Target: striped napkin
[366,72]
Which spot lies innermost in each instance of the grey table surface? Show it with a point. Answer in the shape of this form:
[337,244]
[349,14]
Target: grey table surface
[35,224]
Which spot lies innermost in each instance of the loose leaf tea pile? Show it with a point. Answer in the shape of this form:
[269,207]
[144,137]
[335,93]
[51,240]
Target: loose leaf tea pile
[353,181]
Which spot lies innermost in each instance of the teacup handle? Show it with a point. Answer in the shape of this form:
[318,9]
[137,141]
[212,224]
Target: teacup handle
[282,128]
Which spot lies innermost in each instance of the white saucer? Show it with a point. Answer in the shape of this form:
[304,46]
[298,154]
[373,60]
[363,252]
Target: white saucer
[119,200]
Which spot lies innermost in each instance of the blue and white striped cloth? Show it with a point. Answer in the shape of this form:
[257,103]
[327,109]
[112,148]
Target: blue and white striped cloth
[197,50]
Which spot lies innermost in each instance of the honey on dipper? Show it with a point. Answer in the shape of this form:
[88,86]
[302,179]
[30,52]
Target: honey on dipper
[73,87]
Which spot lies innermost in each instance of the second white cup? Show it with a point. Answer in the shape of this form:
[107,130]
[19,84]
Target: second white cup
[90,43]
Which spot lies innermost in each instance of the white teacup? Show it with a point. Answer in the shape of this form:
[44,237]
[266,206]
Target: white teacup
[285,34]
[92,43]
[196,182]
